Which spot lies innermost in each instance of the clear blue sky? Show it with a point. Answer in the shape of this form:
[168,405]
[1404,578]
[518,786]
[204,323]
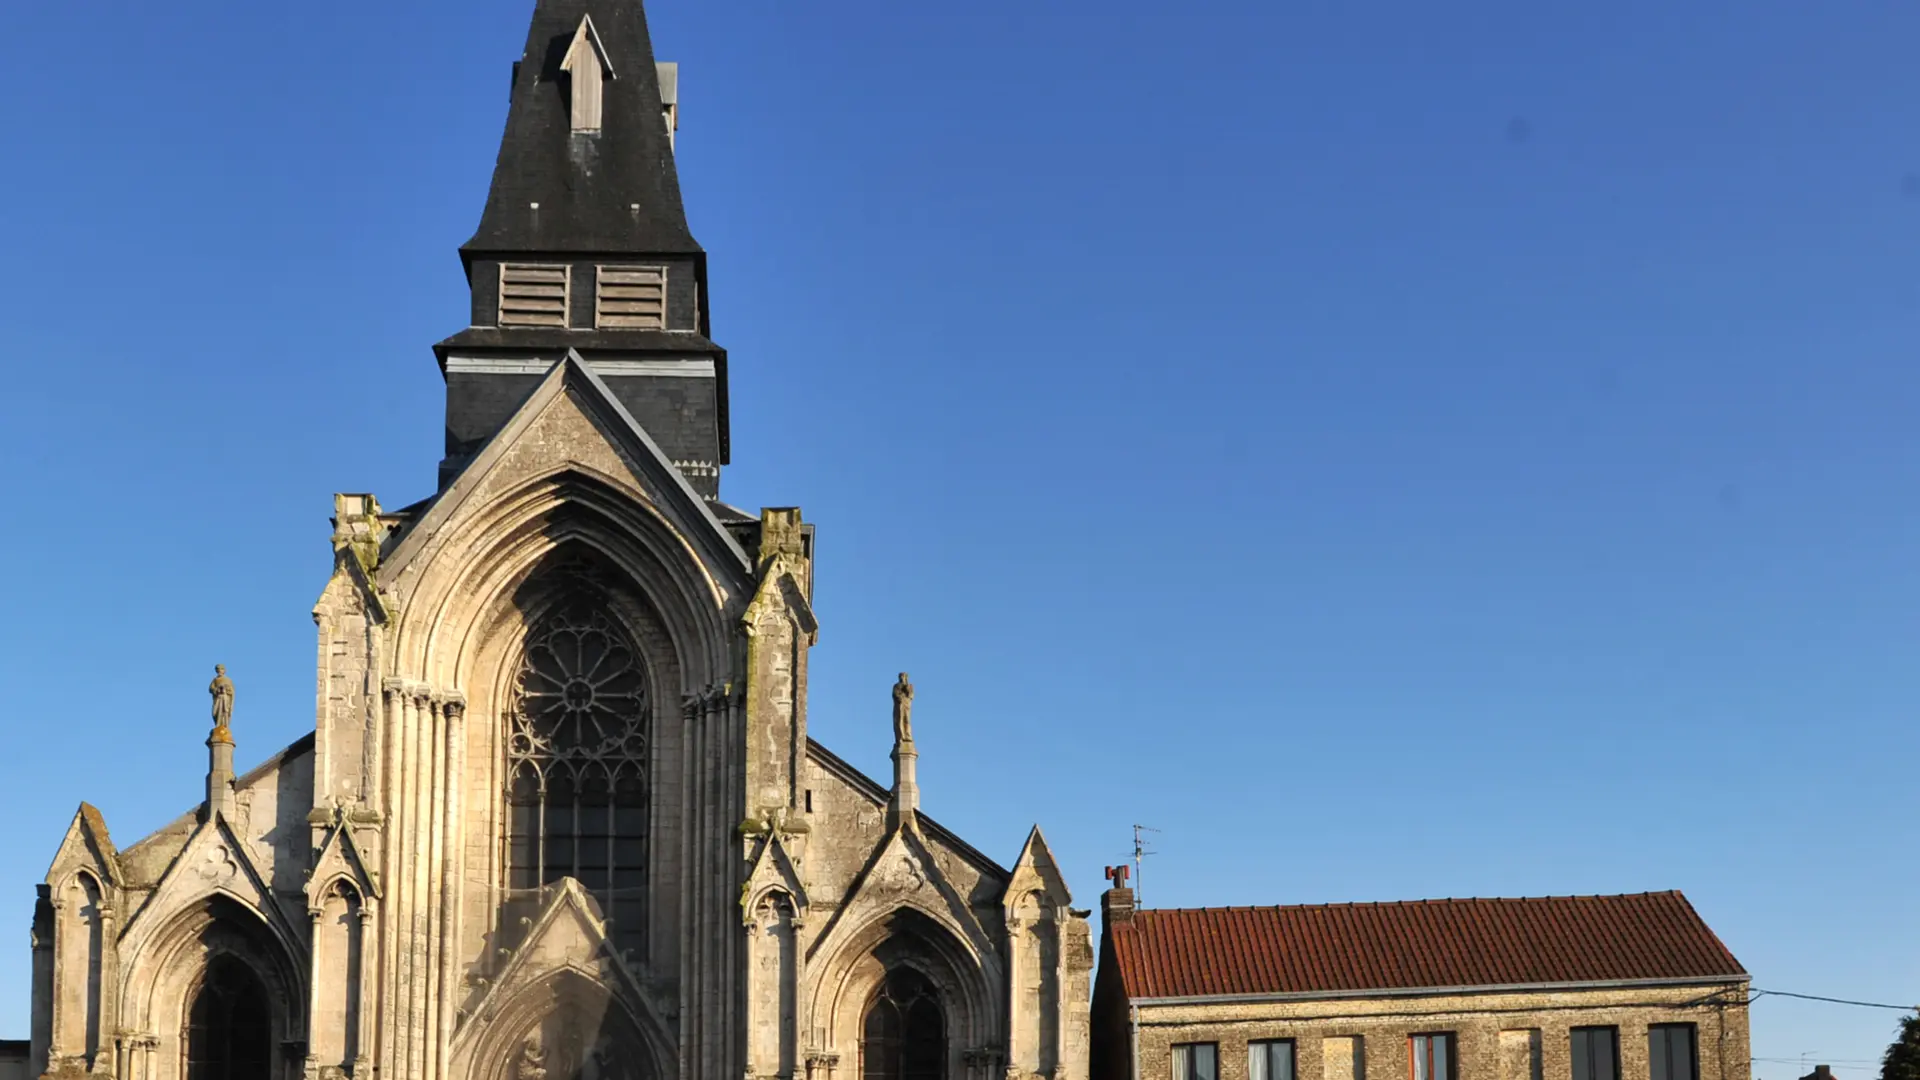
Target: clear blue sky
[1398,450]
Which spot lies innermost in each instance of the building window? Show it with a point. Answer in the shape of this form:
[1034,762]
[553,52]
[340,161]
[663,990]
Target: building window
[534,295]
[576,763]
[631,298]
[1596,1053]
[1672,1052]
[1270,1060]
[904,1036]
[1196,1061]
[1431,1056]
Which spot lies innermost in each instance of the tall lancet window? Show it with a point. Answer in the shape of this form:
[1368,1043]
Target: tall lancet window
[577,764]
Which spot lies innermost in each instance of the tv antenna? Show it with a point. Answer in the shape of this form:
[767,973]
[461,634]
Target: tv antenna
[1140,851]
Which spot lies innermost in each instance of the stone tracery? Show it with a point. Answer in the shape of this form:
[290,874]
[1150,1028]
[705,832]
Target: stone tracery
[577,745]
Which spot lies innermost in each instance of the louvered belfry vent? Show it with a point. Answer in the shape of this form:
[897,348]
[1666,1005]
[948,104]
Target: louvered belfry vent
[631,298]
[533,295]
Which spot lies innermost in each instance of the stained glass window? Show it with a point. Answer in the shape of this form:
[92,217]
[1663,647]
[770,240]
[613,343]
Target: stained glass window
[577,764]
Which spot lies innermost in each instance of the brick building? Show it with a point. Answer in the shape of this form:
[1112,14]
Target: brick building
[1556,988]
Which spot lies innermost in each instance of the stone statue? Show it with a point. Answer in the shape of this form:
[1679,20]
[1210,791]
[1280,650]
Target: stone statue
[222,690]
[903,710]
[533,1060]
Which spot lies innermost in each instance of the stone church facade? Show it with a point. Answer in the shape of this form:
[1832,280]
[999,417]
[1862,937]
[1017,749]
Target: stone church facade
[560,816]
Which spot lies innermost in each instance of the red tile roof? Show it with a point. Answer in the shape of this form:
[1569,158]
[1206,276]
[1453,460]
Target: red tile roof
[1331,948]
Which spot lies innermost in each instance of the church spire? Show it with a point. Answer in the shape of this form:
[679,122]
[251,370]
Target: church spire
[586,163]
[583,247]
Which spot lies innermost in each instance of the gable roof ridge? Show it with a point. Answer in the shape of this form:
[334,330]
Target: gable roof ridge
[1432,901]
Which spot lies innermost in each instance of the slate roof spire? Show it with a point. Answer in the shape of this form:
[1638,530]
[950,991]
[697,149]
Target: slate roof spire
[611,189]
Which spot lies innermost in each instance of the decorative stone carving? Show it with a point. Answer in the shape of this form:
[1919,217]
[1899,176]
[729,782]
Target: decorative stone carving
[903,710]
[217,865]
[904,873]
[222,690]
[533,1060]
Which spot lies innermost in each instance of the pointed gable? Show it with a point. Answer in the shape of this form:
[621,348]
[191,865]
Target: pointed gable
[544,437]
[214,862]
[780,593]
[87,846]
[340,858]
[773,871]
[904,873]
[1036,871]
[568,935]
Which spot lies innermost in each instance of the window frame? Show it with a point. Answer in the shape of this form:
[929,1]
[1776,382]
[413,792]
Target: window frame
[1255,1046]
[1451,1043]
[1574,1055]
[1693,1051]
[1175,1071]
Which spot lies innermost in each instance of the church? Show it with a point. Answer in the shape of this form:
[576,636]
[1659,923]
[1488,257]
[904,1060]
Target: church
[560,816]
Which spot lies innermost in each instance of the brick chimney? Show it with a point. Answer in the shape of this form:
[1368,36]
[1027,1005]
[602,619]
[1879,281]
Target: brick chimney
[1116,904]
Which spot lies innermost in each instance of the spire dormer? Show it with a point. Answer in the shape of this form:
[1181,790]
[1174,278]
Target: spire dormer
[587,69]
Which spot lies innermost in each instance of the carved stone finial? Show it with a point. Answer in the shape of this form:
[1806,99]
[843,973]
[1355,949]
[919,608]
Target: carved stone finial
[903,710]
[222,690]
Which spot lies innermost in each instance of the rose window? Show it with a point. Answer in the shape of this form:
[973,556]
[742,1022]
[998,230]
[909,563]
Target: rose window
[577,764]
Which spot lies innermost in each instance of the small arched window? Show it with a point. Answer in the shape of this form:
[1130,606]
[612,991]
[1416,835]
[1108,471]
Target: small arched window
[229,1030]
[904,1036]
[577,760]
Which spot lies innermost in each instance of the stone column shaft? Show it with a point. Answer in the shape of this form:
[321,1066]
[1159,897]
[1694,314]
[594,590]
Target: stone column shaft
[382,945]
[363,1018]
[454,780]
[416,839]
[434,896]
[318,915]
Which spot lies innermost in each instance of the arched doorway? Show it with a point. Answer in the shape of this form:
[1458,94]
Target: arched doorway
[904,1035]
[230,1024]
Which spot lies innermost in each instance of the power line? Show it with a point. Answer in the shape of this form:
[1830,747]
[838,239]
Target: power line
[1758,994]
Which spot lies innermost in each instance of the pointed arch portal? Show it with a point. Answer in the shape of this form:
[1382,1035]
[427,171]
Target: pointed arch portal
[904,1034]
[230,1025]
